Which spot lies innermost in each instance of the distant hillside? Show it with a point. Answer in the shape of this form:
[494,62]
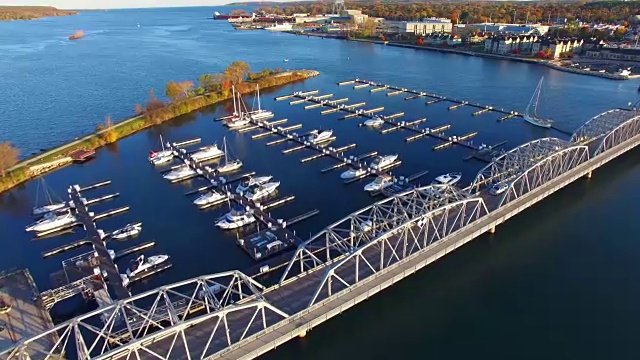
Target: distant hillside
[30,12]
[255,3]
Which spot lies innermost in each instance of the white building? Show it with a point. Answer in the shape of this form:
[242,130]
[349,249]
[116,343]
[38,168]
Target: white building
[517,29]
[424,27]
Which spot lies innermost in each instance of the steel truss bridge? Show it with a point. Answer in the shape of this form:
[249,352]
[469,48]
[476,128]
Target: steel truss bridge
[231,316]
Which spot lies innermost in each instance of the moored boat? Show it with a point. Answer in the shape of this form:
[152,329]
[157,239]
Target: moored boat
[260,114]
[52,221]
[257,192]
[50,204]
[235,218]
[353,173]
[379,183]
[141,265]
[247,184]
[162,156]
[207,153]
[228,165]
[449,179]
[530,114]
[374,122]
[182,172]
[211,197]
[316,136]
[382,162]
[128,231]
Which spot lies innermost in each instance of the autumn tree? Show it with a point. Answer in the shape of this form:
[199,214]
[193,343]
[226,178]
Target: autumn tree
[8,157]
[106,130]
[368,27]
[236,72]
[138,109]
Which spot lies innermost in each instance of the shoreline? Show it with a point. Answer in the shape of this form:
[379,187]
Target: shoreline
[546,63]
[58,157]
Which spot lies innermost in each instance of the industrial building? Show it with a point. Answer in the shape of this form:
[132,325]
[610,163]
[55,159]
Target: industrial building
[424,27]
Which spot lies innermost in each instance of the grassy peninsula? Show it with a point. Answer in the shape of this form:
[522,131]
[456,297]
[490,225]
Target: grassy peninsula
[181,98]
[8,13]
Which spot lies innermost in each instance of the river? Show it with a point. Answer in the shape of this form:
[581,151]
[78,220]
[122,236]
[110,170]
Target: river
[558,279]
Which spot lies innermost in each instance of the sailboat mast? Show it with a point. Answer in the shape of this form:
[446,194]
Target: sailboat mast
[534,98]
[538,91]
[224,143]
[258,89]
[161,142]
[235,108]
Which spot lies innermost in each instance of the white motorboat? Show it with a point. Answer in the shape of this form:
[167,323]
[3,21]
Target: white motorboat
[207,153]
[141,265]
[236,218]
[280,27]
[52,221]
[162,156]
[260,114]
[247,184]
[316,137]
[128,231]
[379,183]
[261,191]
[624,72]
[449,179]
[498,188]
[228,165]
[382,162]
[50,204]
[182,172]
[211,197]
[353,173]
[530,114]
[374,122]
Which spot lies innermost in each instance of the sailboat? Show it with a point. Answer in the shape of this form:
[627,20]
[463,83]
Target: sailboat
[239,118]
[530,114]
[228,165]
[50,205]
[260,114]
[162,156]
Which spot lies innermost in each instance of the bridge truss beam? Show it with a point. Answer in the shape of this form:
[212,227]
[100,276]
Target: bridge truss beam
[611,128]
[351,233]
[192,318]
[516,161]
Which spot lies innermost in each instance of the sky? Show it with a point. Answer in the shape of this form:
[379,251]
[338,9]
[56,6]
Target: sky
[114,4]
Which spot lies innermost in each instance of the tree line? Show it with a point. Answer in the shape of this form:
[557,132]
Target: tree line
[478,12]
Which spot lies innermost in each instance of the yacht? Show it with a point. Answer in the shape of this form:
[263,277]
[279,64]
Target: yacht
[353,173]
[182,172]
[449,179]
[374,122]
[211,197]
[162,156]
[498,188]
[141,265]
[280,27]
[50,204]
[247,184]
[260,114]
[52,221]
[235,218]
[258,192]
[128,231]
[316,137]
[530,114]
[207,153]
[228,165]
[379,183]
[382,162]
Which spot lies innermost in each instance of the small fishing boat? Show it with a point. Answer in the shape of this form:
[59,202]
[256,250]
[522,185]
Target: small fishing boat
[382,162]
[50,204]
[211,197]
[207,153]
[374,122]
[52,221]
[498,188]
[129,230]
[316,137]
[261,191]
[353,173]
[182,172]
[162,156]
[449,179]
[228,165]
[379,183]
[247,184]
[236,218]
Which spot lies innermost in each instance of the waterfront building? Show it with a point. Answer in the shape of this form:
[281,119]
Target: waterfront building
[612,53]
[424,27]
[522,29]
[531,44]
[442,38]
[354,15]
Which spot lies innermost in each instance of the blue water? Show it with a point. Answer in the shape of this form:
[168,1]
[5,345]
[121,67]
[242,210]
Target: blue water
[561,278]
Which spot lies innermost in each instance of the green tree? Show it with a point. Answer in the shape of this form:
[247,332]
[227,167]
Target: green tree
[8,157]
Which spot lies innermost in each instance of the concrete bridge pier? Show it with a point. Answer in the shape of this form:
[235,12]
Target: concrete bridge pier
[492,230]
[588,176]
